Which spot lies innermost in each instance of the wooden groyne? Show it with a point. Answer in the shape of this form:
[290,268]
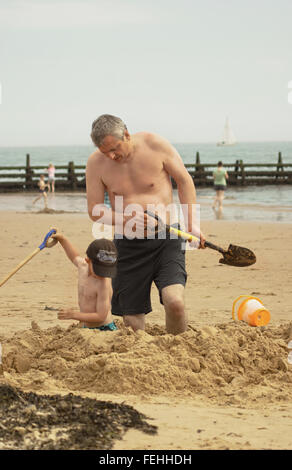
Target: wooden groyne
[243,174]
[71,177]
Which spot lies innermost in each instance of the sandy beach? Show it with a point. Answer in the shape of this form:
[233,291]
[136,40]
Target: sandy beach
[220,385]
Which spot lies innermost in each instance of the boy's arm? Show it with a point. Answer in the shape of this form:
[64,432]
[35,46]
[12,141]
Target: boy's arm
[102,306]
[69,249]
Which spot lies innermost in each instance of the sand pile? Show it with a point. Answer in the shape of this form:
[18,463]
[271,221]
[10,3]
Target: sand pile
[227,363]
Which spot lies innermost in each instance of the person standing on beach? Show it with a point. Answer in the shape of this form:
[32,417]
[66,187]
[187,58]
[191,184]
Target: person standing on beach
[138,168]
[220,176]
[42,190]
[51,177]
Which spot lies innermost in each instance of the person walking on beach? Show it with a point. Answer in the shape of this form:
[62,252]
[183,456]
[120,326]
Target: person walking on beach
[138,169]
[220,176]
[42,190]
[94,283]
[51,177]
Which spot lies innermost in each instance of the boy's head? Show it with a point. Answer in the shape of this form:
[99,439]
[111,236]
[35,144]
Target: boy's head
[103,256]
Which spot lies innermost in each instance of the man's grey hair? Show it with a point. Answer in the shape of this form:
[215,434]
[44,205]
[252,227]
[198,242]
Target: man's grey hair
[106,124]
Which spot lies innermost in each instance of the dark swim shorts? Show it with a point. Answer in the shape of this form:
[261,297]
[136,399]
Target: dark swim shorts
[219,187]
[140,262]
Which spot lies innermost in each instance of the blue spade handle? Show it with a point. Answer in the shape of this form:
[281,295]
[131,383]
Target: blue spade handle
[45,244]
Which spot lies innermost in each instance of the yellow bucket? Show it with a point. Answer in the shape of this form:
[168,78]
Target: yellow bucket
[251,310]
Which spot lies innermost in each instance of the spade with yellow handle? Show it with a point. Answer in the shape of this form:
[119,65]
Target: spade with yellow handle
[234,256]
[47,243]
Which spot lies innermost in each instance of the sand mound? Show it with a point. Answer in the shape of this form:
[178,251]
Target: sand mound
[227,363]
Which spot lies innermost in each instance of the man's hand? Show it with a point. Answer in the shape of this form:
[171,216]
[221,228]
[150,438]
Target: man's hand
[202,240]
[150,224]
[66,314]
[139,225]
[200,243]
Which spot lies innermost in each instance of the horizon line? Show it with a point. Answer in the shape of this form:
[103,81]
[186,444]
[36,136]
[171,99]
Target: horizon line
[173,143]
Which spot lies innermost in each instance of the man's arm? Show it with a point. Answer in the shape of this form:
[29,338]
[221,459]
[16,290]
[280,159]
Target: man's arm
[69,249]
[95,191]
[94,186]
[174,166]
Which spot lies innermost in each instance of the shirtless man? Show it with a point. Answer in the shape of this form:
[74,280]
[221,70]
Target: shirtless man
[94,283]
[139,168]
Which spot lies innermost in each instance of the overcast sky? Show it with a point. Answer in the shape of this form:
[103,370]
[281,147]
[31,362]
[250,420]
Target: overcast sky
[177,68]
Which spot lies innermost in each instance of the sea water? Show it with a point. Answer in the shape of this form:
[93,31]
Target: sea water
[259,203]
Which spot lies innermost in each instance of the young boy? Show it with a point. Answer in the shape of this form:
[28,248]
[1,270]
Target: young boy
[94,283]
[42,190]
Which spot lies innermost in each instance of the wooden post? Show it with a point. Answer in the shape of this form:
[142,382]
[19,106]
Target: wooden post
[242,172]
[71,175]
[198,159]
[236,171]
[280,167]
[28,173]
[200,171]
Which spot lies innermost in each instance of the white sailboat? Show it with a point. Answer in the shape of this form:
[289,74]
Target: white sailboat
[228,137]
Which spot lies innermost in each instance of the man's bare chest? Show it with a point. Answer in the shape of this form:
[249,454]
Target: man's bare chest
[122,178]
